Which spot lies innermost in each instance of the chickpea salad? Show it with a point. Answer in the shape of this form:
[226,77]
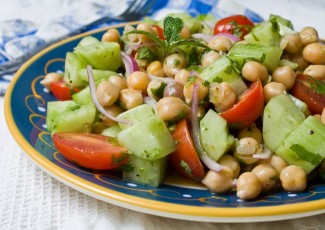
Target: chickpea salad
[232,105]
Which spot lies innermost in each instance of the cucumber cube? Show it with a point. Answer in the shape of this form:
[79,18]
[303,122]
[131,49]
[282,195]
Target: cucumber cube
[54,109]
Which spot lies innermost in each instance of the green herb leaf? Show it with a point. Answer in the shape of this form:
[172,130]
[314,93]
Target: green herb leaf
[187,42]
[159,92]
[156,39]
[317,85]
[146,53]
[172,29]
[306,155]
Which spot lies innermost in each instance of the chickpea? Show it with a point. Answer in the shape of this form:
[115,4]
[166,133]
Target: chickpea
[154,85]
[308,35]
[323,116]
[209,57]
[155,68]
[314,53]
[107,93]
[185,32]
[218,182]
[130,98]
[245,148]
[51,78]
[203,89]
[182,76]
[230,162]
[201,111]
[251,131]
[113,110]
[293,43]
[148,28]
[119,81]
[273,89]
[130,37]
[172,108]
[276,162]
[248,186]
[174,63]
[220,43]
[222,96]
[138,80]
[293,179]
[284,75]
[174,89]
[266,175]
[316,71]
[253,70]
[112,35]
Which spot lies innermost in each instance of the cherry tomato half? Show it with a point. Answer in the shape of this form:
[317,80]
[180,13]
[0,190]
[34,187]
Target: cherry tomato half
[185,159]
[248,108]
[91,151]
[61,90]
[160,31]
[238,25]
[311,91]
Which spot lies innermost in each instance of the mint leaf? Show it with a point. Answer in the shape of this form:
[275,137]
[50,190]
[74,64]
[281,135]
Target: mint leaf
[172,29]
[146,53]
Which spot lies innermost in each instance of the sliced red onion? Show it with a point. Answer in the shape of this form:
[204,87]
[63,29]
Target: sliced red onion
[92,88]
[232,37]
[151,101]
[130,64]
[207,161]
[162,79]
[136,46]
[234,183]
[263,154]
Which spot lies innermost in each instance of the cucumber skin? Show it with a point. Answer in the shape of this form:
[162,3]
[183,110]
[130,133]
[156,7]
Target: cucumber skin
[98,74]
[148,139]
[222,71]
[77,119]
[281,116]
[305,146]
[264,34]
[73,64]
[54,109]
[145,172]
[214,135]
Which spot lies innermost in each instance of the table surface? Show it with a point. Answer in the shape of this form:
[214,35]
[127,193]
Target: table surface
[31,199]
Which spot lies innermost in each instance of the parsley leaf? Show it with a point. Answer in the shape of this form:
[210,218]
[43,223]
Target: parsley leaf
[317,85]
[172,29]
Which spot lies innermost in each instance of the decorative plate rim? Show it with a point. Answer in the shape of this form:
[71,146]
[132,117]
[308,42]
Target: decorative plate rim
[159,208]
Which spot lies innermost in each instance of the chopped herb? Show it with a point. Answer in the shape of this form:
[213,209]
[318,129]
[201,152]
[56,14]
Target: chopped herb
[306,155]
[146,53]
[172,29]
[159,92]
[185,166]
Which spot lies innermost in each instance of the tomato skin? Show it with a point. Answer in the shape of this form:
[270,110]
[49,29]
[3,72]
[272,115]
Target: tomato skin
[92,151]
[238,25]
[60,90]
[160,32]
[186,153]
[302,90]
[247,109]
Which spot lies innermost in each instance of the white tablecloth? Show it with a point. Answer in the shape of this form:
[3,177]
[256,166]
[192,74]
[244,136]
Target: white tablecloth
[31,199]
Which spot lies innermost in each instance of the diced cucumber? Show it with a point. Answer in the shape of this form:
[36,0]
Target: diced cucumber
[281,116]
[54,109]
[146,172]
[285,62]
[268,55]
[301,105]
[305,146]
[87,40]
[136,114]
[280,21]
[111,131]
[98,74]
[222,71]
[264,34]
[83,96]
[101,55]
[214,135]
[75,119]
[149,138]
[73,64]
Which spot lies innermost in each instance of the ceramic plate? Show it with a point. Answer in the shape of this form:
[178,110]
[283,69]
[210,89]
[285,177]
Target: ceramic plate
[25,111]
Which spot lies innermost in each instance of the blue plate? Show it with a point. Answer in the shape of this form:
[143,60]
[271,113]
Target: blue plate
[25,110]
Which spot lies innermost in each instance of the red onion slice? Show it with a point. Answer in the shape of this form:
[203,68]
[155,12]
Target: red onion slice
[203,36]
[264,153]
[162,79]
[151,101]
[130,64]
[92,88]
[207,161]
[232,37]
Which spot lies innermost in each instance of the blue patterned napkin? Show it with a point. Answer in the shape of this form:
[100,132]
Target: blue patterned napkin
[21,39]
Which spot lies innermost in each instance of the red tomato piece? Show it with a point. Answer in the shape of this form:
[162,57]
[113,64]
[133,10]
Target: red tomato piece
[309,90]
[247,109]
[61,90]
[160,31]
[91,151]
[185,159]
[238,25]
